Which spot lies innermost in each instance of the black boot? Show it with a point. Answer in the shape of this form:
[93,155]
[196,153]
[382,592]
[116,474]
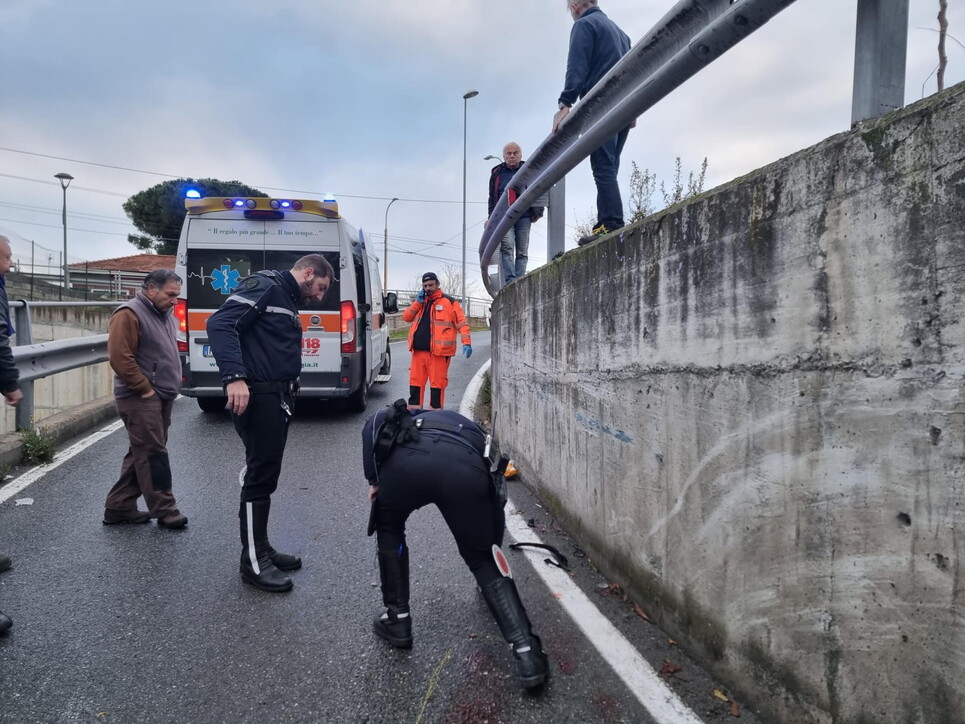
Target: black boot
[415,396]
[531,663]
[257,567]
[5,622]
[395,625]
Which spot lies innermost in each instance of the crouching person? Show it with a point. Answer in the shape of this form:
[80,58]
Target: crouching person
[411,459]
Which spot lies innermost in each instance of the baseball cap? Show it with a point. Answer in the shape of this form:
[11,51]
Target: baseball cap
[429,277]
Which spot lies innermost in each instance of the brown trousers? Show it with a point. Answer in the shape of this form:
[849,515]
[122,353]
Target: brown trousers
[145,469]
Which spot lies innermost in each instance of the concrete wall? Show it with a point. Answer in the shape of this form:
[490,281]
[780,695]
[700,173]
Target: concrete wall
[68,389]
[750,410]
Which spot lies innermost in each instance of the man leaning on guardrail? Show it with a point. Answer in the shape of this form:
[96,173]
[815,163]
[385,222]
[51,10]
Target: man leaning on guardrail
[9,376]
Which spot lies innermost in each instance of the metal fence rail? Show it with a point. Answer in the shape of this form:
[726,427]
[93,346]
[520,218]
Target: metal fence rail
[35,361]
[689,37]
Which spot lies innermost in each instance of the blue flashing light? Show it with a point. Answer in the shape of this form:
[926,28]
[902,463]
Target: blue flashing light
[192,194]
[239,202]
[274,203]
[286,204]
[328,197]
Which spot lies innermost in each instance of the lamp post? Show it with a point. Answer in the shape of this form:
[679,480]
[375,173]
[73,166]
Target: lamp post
[385,249]
[465,103]
[65,179]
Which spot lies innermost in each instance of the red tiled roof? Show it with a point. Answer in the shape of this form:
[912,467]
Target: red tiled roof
[137,263]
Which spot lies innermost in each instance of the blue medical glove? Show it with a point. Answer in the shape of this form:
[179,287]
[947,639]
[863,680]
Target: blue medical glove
[467,350]
[421,296]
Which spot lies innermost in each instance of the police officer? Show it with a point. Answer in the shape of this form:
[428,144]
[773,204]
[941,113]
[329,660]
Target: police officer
[415,458]
[256,338]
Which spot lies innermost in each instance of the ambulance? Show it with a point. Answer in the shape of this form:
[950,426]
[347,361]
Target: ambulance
[345,340]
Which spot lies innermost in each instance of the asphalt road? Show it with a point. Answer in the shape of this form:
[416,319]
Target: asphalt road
[142,624]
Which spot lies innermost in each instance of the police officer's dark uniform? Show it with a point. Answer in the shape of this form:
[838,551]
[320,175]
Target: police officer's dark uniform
[256,336]
[437,456]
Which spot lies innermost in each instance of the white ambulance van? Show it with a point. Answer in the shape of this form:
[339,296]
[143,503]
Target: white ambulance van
[345,341]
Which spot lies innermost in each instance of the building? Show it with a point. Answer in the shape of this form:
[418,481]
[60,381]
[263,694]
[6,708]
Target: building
[117,278]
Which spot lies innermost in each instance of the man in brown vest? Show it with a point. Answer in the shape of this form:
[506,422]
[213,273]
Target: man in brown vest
[142,347]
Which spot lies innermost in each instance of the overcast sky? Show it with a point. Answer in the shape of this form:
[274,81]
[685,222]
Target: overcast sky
[363,99]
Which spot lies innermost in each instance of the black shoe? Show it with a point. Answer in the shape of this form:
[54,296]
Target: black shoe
[172,522]
[113,517]
[283,561]
[396,628]
[5,622]
[598,233]
[532,666]
[5,562]
[267,577]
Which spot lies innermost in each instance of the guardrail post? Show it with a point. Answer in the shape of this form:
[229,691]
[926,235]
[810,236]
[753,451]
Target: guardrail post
[880,54]
[556,220]
[24,335]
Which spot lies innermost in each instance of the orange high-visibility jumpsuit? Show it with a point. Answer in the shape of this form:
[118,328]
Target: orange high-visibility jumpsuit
[446,319]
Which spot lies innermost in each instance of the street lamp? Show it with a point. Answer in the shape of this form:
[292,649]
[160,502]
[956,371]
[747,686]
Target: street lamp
[465,101]
[65,179]
[385,250]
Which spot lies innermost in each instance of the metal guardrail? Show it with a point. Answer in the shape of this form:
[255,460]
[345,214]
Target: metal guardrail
[689,37]
[35,361]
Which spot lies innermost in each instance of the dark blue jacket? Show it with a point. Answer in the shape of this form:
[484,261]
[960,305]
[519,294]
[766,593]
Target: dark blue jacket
[499,179]
[9,375]
[596,44]
[256,333]
[471,434]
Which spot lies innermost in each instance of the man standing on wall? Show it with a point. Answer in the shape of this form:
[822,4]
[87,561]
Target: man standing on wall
[256,338]
[596,44]
[436,318]
[514,249]
[9,376]
[142,347]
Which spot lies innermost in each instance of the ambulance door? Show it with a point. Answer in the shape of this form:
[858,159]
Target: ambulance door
[373,310]
[219,253]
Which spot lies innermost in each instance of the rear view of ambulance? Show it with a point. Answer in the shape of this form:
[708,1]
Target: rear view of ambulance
[345,346]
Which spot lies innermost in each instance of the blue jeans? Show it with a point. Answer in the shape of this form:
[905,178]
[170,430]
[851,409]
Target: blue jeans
[605,163]
[514,248]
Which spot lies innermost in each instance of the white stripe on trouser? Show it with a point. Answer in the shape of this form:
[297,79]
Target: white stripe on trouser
[252,556]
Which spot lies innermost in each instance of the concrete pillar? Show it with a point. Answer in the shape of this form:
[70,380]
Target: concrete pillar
[881,44]
[556,220]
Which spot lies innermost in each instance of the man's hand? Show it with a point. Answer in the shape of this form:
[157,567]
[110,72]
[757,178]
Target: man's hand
[149,394]
[467,350]
[238,395]
[14,397]
[373,491]
[560,115]
[421,296]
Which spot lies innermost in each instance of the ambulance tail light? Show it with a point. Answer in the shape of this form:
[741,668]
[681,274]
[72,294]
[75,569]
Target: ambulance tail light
[181,315]
[349,342]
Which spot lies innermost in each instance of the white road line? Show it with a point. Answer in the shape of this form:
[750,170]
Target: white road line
[650,690]
[32,476]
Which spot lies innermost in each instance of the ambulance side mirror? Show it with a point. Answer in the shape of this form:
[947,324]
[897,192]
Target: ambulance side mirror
[390,303]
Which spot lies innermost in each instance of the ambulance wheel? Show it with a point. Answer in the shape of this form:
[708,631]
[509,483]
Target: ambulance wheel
[358,400]
[212,404]
[387,366]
